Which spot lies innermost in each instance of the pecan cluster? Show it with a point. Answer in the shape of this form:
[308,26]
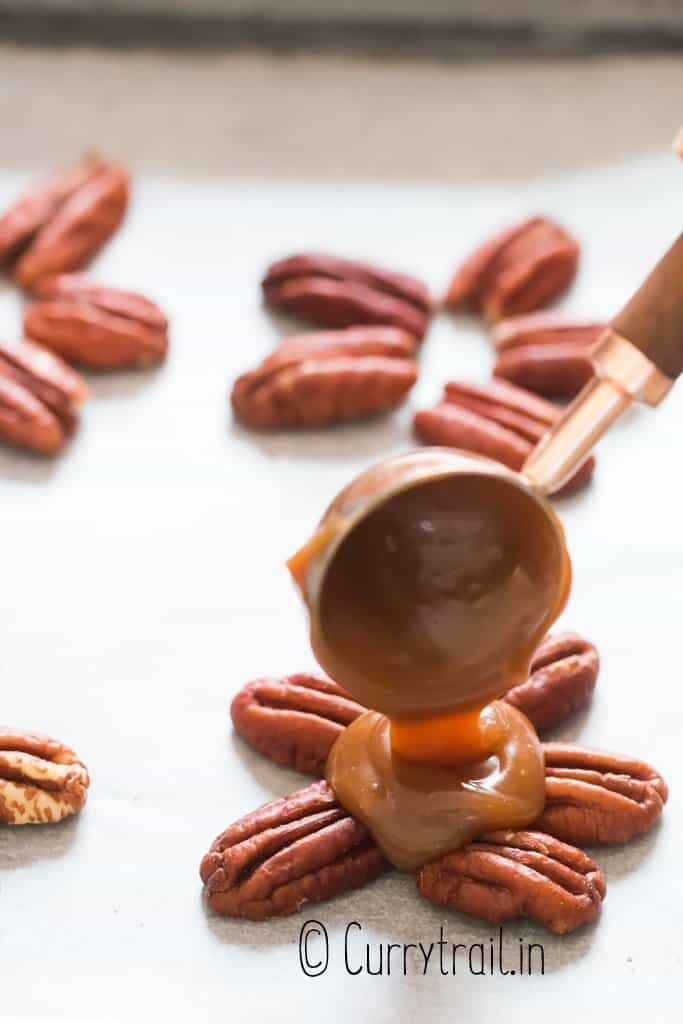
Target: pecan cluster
[305,846]
[41,779]
[498,419]
[516,272]
[53,231]
[509,279]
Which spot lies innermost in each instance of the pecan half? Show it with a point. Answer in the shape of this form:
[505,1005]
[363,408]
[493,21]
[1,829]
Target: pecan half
[595,798]
[303,847]
[95,326]
[545,353]
[511,874]
[563,674]
[46,376]
[498,420]
[294,720]
[41,779]
[337,292]
[25,422]
[328,376]
[517,271]
[63,223]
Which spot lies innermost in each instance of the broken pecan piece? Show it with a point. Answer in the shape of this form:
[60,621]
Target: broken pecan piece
[25,422]
[517,271]
[498,420]
[337,292]
[41,779]
[63,223]
[596,798]
[47,377]
[546,354]
[327,376]
[511,874]
[95,326]
[294,720]
[562,678]
[303,847]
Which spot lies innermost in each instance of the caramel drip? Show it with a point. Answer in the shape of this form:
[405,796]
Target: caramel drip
[416,812]
[427,607]
[300,561]
[451,738]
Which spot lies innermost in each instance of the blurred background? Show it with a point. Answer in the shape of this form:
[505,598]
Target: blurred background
[391,89]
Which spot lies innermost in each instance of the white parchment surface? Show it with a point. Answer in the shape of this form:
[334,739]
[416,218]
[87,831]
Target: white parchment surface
[142,583]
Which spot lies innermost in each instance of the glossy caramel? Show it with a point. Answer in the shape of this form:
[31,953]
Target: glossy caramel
[438,597]
[416,812]
[452,737]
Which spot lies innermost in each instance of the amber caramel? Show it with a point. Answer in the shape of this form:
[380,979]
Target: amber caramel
[427,605]
[417,812]
[437,599]
[454,737]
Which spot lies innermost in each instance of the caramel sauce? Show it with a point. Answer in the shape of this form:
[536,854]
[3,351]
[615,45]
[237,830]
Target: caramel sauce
[416,812]
[299,562]
[428,609]
[437,599]
[453,737]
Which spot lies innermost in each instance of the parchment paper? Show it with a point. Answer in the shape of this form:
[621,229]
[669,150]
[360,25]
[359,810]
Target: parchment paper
[142,583]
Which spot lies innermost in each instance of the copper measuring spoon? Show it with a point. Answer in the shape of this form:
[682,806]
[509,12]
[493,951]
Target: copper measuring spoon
[455,619]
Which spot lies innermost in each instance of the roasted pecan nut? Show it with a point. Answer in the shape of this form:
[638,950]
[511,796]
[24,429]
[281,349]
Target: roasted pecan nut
[559,370]
[294,720]
[303,847]
[20,225]
[47,377]
[545,353]
[498,420]
[545,329]
[327,376]
[63,223]
[511,874]
[517,271]
[41,779]
[25,421]
[337,292]
[596,798]
[563,674]
[95,326]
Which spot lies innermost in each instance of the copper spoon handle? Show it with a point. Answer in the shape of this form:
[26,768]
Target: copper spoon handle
[637,358]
